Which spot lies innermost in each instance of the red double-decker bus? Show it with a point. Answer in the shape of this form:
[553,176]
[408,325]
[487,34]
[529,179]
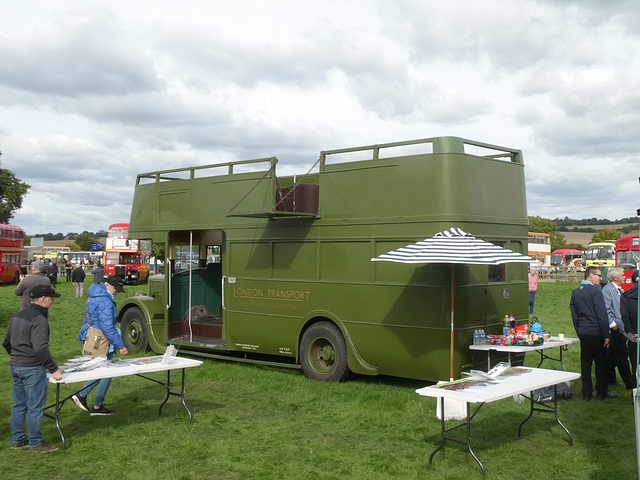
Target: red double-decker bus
[125,257]
[628,257]
[11,246]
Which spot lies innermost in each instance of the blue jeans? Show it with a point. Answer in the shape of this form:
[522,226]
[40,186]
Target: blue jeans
[532,300]
[103,387]
[29,400]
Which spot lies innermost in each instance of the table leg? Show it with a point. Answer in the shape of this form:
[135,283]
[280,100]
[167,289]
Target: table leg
[174,391]
[543,357]
[545,407]
[57,407]
[445,431]
[56,417]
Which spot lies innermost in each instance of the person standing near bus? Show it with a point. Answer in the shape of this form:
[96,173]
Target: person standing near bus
[77,277]
[589,317]
[52,272]
[37,277]
[68,267]
[629,314]
[617,354]
[98,274]
[533,287]
[27,342]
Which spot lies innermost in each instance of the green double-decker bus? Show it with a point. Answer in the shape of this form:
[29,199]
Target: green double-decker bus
[278,269]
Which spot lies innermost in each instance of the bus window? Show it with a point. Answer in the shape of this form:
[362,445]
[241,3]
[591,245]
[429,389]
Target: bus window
[184,256]
[213,253]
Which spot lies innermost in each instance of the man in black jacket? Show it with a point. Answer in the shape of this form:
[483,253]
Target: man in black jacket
[590,320]
[629,314]
[27,342]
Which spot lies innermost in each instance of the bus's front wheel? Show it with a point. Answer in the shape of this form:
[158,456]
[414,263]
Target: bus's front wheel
[323,353]
[134,330]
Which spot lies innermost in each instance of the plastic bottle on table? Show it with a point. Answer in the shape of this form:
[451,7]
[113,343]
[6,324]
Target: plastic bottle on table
[506,325]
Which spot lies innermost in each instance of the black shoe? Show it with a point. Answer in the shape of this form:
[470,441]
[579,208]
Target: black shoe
[43,448]
[587,398]
[615,383]
[81,402]
[21,444]
[607,395]
[101,410]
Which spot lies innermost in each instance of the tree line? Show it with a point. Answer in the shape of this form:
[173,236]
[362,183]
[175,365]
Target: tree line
[543,225]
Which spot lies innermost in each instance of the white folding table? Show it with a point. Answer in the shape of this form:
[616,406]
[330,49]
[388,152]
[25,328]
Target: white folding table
[514,381]
[554,342]
[123,368]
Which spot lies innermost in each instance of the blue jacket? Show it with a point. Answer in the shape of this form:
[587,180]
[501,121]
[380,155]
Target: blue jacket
[101,307]
[588,312]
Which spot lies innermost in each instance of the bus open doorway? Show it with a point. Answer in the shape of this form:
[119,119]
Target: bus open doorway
[195,283]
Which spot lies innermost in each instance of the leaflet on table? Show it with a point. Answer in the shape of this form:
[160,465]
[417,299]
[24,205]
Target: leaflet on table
[83,363]
[492,375]
[471,383]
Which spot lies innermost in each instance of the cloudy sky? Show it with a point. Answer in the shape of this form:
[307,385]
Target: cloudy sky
[93,93]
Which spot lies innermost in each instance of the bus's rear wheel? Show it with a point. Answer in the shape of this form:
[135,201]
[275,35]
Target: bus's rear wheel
[323,353]
[134,330]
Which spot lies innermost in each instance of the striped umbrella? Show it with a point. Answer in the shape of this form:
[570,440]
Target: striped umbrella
[453,246]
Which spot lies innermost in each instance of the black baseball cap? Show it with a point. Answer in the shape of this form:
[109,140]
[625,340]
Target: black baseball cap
[116,282]
[43,291]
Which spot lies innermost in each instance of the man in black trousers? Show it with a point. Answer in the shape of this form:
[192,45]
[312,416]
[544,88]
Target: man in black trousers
[629,313]
[589,316]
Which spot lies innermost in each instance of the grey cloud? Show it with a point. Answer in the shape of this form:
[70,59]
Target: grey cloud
[76,57]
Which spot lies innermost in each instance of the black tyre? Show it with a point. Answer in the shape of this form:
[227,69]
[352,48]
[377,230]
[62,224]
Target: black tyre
[16,278]
[134,330]
[323,353]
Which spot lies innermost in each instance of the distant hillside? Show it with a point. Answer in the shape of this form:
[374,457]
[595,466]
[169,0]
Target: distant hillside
[582,231]
[567,222]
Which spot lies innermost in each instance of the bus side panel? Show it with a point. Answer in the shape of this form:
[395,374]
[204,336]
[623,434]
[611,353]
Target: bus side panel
[399,324]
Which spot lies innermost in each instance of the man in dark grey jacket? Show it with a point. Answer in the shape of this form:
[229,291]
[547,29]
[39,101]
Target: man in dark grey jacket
[37,277]
[27,342]
[590,320]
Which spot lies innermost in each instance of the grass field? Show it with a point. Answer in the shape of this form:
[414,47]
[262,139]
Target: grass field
[254,422]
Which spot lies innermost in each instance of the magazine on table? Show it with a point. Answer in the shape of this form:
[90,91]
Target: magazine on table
[491,376]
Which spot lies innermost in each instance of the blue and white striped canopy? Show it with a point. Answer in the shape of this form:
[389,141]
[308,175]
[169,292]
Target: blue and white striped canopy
[453,246]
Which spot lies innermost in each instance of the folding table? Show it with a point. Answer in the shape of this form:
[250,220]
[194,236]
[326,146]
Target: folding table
[513,381]
[123,368]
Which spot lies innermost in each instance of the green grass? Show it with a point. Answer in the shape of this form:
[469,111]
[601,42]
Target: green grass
[254,422]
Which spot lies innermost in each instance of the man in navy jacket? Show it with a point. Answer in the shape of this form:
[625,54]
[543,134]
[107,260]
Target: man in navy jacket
[590,320]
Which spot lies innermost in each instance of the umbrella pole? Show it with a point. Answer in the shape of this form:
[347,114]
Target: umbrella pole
[452,309]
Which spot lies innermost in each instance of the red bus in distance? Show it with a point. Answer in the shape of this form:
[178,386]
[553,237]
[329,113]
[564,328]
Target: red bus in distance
[566,256]
[11,245]
[628,257]
[125,257]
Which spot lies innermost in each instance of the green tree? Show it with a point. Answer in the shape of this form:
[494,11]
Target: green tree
[12,192]
[605,234]
[543,225]
[84,240]
[74,247]
[157,252]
